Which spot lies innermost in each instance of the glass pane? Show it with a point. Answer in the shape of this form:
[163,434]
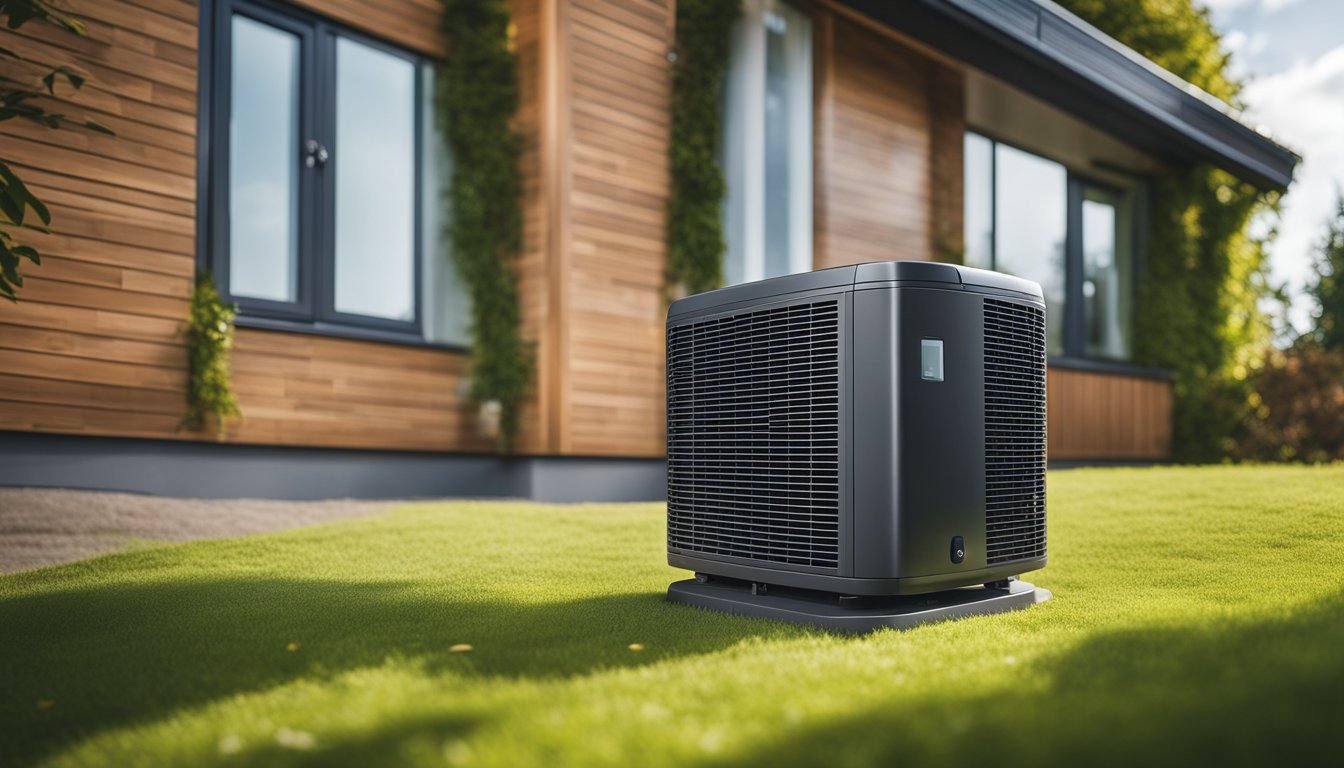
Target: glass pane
[263,162]
[778,109]
[1031,217]
[1106,277]
[446,305]
[767,144]
[979,211]
[374,158]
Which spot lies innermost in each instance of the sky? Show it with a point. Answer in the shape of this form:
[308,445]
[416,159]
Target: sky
[1292,54]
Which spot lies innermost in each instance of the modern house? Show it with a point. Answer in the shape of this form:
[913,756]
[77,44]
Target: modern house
[289,146]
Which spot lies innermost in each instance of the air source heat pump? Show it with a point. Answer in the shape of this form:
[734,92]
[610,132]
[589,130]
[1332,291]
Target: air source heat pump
[840,441]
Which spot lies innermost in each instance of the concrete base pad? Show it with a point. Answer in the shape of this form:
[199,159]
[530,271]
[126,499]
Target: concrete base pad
[853,614]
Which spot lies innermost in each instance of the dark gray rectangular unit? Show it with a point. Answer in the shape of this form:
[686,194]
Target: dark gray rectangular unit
[870,430]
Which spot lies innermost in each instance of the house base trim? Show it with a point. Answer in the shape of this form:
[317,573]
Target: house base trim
[227,471]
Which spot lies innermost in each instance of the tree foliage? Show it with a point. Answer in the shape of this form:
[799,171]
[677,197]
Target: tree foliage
[1327,290]
[477,96]
[695,241]
[1205,276]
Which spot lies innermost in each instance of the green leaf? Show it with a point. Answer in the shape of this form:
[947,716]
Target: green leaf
[28,252]
[9,267]
[12,208]
[94,125]
[74,78]
[19,193]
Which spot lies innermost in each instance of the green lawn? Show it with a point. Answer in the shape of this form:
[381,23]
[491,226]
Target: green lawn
[1198,617]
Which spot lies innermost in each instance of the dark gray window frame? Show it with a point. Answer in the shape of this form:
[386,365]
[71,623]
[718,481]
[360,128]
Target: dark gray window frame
[314,310]
[1075,344]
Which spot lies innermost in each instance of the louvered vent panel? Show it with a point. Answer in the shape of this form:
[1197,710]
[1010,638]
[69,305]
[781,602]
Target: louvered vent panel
[753,426]
[1014,431]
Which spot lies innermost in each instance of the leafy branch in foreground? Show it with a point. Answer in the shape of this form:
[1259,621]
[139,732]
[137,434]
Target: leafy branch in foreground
[19,100]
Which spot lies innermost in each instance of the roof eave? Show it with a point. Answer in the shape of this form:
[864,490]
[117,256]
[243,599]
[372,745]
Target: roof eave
[1049,53]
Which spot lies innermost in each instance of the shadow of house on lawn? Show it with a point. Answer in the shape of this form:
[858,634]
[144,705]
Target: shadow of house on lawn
[124,653]
[1267,692]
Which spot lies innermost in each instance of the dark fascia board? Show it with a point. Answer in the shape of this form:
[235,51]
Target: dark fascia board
[1048,52]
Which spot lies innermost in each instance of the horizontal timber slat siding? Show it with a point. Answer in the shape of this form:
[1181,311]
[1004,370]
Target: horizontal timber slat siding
[95,345]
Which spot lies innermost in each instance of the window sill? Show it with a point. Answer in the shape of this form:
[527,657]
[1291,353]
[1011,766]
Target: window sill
[1109,366]
[344,332]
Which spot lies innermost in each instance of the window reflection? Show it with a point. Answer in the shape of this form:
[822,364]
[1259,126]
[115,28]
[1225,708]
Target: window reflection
[263,163]
[375,182]
[1031,219]
[1107,275]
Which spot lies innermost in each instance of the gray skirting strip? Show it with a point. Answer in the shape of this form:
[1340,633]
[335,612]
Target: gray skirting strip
[849,614]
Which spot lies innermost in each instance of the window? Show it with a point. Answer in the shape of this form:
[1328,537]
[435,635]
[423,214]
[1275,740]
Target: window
[1028,216]
[324,181]
[767,144]
[1108,273]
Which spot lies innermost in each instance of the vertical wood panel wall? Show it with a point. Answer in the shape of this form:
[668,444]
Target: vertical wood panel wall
[616,181]
[889,123]
[1108,416]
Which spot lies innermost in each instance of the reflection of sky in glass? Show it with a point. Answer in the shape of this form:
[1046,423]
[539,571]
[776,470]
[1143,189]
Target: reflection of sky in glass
[375,182]
[263,143]
[1031,194]
[979,206]
[777,111]
[1105,284]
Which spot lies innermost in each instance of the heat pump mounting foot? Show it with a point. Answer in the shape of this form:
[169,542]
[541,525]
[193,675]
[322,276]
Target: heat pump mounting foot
[846,613]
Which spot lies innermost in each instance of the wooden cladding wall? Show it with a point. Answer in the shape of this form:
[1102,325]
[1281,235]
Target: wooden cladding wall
[95,345]
[888,124]
[611,257]
[1108,416]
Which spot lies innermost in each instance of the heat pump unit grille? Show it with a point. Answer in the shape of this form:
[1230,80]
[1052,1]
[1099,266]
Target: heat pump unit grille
[1014,431]
[753,427]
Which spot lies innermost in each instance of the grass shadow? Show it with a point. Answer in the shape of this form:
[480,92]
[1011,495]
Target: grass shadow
[1264,692]
[135,652]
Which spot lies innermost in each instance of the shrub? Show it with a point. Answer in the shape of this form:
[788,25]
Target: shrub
[1297,407]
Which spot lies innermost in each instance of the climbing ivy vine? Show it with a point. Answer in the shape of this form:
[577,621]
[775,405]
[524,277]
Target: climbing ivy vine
[476,99]
[695,244]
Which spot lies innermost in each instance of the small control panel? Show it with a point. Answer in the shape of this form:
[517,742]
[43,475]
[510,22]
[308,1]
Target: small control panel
[931,359]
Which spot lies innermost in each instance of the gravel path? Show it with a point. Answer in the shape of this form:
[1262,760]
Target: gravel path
[40,527]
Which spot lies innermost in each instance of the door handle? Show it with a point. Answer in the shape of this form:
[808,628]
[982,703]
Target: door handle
[315,153]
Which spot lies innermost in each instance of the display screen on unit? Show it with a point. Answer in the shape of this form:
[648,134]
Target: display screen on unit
[931,359]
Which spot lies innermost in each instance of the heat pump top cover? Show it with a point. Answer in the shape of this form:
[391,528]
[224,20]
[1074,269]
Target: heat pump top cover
[849,429]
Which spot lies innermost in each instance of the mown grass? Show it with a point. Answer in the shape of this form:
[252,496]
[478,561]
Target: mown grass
[1198,618]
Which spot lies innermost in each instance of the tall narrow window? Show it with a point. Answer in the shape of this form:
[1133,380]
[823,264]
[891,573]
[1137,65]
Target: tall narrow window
[324,182]
[979,203]
[1108,288]
[768,144]
[375,182]
[264,189]
[1026,215]
[1030,196]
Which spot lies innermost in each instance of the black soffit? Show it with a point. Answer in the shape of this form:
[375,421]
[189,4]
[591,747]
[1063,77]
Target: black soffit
[1048,52]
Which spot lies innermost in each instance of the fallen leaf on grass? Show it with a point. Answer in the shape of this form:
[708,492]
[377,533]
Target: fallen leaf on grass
[230,745]
[295,739]
[292,647]
[460,648]
[45,703]
[636,646]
